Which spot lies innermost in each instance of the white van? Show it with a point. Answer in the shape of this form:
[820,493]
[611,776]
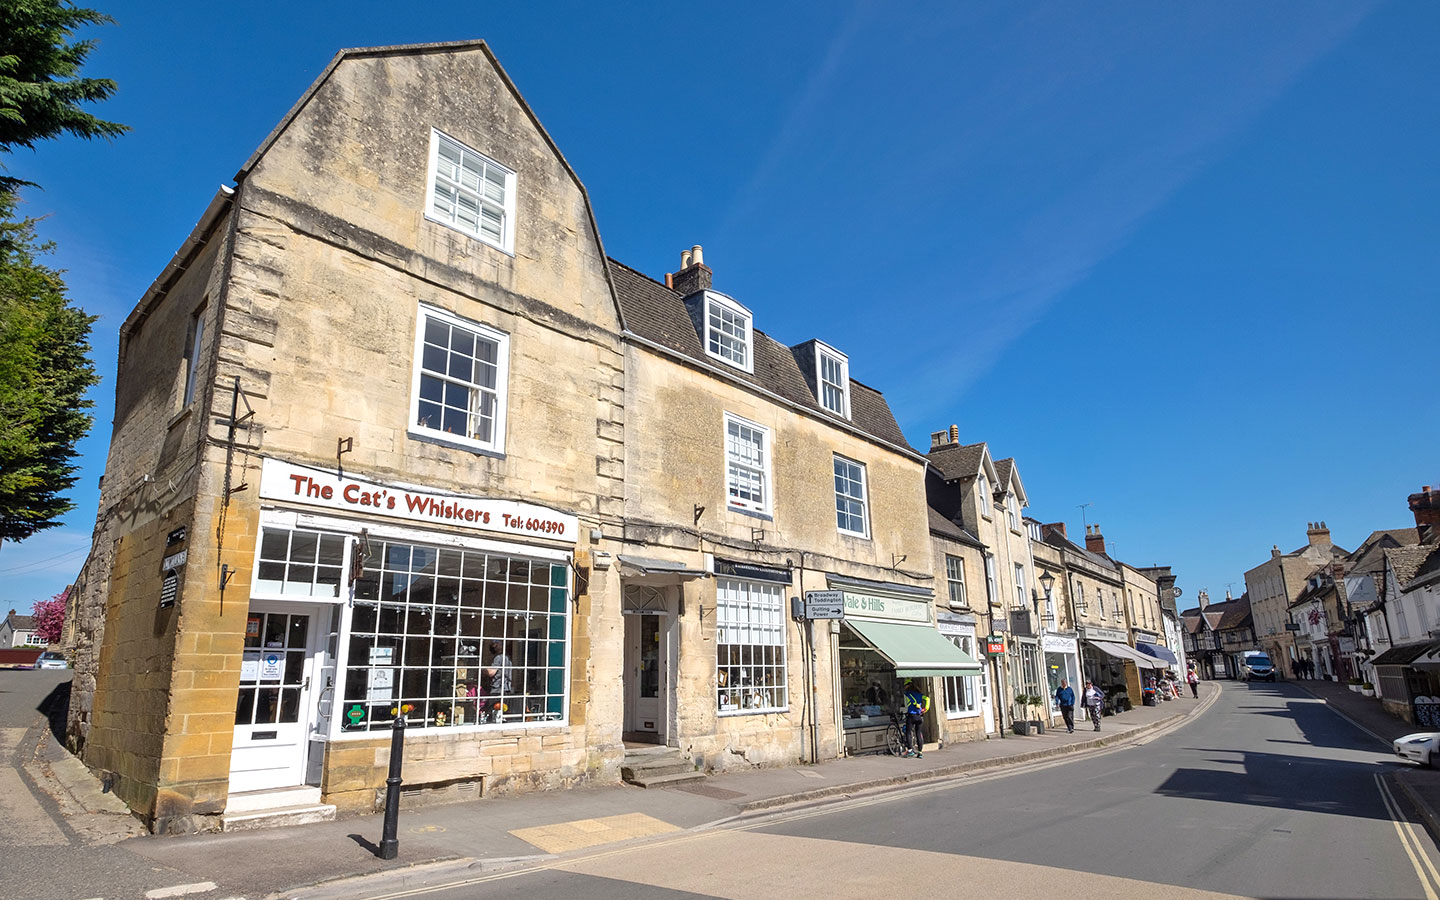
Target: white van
[1256,666]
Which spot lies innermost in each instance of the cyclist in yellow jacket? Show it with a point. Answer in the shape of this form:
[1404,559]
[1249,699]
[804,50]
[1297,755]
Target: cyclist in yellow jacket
[917,704]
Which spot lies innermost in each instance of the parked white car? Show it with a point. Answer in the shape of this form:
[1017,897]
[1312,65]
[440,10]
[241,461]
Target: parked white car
[50,659]
[1421,747]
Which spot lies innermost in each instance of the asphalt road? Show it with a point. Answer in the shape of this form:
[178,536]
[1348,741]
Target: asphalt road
[1268,795]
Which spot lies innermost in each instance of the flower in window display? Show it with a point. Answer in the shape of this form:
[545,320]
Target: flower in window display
[403,709]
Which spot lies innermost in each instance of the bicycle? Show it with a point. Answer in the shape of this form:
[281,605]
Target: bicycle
[895,736]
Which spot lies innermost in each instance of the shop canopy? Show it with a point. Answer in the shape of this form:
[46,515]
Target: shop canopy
[1122,651]
[916,651]
[1164,654]
[1422,655]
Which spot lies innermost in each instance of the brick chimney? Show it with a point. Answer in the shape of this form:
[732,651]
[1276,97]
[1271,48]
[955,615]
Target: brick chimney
[1203,598]
[945,440]
[1317,534]
[1425,506]
[1052,527]
[694,276]
[1094,540]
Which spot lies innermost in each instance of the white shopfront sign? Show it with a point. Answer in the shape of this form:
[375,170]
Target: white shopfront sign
[1051,643]
[309,486]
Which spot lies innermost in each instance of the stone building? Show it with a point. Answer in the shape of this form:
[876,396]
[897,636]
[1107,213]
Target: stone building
[1278,582]
[394,439]
[968,711]
[368,440]
[987,499]
[758,472]
[1059,641]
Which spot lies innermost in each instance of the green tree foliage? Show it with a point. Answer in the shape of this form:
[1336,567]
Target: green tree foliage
[45,371]
[40,87]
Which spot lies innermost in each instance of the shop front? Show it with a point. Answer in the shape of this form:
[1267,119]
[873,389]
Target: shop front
[1111,665]
[362,611]
[888,636]
[1150,646]
[1062,662]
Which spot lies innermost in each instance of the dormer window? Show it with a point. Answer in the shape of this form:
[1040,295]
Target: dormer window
[984,495]
[833,378]
[729,335]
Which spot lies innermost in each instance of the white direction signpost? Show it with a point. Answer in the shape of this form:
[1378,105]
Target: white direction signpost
[824,605]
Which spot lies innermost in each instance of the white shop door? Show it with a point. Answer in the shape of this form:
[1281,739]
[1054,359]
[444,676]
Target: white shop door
[274,710]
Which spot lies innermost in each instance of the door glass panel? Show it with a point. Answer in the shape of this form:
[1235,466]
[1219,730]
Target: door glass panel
[294,666]
[274,630]
[267,702]
[299,629]
[289,705]
[649,656]
[245,707]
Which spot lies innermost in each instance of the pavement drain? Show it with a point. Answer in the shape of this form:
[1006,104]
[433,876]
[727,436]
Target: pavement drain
[565,836]
[713,793]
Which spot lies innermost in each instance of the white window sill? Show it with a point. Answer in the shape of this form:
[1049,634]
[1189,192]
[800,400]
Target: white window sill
[733,713]
[972,714]
[447,440]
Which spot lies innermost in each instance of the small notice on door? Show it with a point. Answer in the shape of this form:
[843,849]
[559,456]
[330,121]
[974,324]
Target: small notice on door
[250,666]
[272,664]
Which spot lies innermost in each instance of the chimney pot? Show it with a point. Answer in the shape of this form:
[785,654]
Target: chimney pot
[684,259]
[694,276]
[697,255]
[1094,540]
[955,437]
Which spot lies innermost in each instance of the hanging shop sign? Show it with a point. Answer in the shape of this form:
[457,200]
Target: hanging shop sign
[319,487]
[1114,635]
[995,645]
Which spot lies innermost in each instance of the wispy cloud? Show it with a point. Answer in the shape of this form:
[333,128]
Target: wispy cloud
[798,120]
[1061,242]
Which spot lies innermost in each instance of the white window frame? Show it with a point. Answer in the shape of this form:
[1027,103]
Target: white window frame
[496,444]
[984,495]
[718,303]
[762,471]
[964,688]
[955,581]
[1010,512]
[750,616]
[838,390]
[506,242]
[194,341]
[992,589]
[1022,597]
[841,497]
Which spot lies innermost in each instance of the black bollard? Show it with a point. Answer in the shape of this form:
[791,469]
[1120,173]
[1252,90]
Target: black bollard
[389,845]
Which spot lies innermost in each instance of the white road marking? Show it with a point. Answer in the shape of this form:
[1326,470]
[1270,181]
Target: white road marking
[1413,847]
[181,890]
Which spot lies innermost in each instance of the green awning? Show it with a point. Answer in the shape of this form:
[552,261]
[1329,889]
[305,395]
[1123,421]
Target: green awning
[917,651]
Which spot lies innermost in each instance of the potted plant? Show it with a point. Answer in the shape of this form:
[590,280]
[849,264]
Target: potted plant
[1367,689]
[1355,685]
[1022,722]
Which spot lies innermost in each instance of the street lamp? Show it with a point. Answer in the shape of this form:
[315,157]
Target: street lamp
[1047,583]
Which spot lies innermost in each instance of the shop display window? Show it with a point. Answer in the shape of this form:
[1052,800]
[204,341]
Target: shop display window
[750,672]
[454,638]
[869,688]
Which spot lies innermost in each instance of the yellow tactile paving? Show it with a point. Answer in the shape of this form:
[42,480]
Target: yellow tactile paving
[565,836]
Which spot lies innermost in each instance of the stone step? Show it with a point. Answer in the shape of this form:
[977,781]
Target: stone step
[659,781]
[274,798]
[277,817]
[655,769]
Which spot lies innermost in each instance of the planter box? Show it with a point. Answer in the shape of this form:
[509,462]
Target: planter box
[1369,692]
[1354,687]
[1038,726]
[1021,727]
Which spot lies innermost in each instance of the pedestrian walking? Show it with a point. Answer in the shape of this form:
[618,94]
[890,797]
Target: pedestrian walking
[917,704]
[1065,699]
[1093,697]
[1194,681]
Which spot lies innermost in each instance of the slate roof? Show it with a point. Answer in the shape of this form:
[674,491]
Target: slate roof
[19,622]
[946,528]
[1237,615]
[1004,468]
[657,313]
[1407,561]
[1403,655]
[1056,539]
[957,462]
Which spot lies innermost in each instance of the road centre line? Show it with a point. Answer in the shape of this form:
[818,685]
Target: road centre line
[1405,831]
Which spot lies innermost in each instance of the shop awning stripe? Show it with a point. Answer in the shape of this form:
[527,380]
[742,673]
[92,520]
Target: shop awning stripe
[1121,651]
[916,651]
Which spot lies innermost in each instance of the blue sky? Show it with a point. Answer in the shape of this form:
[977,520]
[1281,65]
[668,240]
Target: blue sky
[1179,260]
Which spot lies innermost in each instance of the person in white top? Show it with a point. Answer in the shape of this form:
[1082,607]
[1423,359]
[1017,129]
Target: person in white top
[1092,698]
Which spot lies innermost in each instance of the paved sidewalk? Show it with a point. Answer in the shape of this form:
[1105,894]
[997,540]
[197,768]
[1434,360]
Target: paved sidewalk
[496,831]
[1420,786]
